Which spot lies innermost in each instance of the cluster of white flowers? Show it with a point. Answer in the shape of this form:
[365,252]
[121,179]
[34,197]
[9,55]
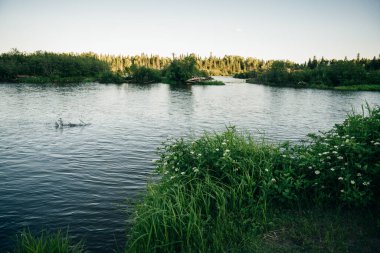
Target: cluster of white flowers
[352,182]
[226,152]
[183,173]
[273,180]
[195,169]
[332,169]
[340,178]
[317,172]
[340,157]
[366,183]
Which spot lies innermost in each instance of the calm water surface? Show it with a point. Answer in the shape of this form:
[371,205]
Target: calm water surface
[80,177]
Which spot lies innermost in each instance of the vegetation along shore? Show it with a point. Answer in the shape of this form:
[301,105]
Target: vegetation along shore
[229,192]
[44,67]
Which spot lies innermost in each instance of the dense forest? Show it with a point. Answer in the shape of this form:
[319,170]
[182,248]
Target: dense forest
[67,67]
[318,73]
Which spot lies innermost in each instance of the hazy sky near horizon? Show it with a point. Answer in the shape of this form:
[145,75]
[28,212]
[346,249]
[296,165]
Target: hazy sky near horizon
[287,29]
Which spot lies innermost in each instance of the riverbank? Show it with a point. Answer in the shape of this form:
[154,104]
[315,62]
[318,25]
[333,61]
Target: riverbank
[229,192]
[361,87]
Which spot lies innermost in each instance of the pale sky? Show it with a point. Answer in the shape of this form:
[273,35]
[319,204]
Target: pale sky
[282,29]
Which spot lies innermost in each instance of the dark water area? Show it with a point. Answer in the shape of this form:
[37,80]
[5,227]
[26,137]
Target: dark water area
[80,177]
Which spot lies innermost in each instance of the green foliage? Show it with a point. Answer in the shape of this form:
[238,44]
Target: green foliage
[43,66]
[179,71]
[320,74]
[109,77]
[209,190]
[143,75]
[341,166]
[217,189]
[47,242]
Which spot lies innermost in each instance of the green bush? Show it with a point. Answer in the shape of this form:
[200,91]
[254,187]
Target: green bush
[339,166]
[216,189]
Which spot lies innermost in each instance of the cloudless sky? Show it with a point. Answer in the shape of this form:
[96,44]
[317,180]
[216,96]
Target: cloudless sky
[282,29]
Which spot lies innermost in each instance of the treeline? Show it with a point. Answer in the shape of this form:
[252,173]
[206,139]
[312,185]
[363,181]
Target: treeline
[318,73]
[40,67]
[215,66]
[44,66]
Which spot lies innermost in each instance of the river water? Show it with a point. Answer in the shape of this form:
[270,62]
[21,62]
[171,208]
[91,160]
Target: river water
[79,178]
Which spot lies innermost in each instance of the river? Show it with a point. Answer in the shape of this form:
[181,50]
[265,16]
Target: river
[79,178]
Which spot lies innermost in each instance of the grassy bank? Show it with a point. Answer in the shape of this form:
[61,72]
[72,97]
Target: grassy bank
[229,193]
[361,87]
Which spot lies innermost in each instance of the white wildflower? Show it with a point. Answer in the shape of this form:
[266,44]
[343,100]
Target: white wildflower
[183,173]
[284,156]
[192,152]
[332,169]
[172,177]
[341,190]
[199,154]
[310,167]
[359,174]
[317,172]
[273,180]
[366,183]
[224,143]
[376,143]
[335,146]
[340,157]
[334,152]
[266,170]
[176,169]
[217,149]
[352,182]
[340,178]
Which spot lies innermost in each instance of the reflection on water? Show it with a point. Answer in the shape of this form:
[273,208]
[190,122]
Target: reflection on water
[80,177]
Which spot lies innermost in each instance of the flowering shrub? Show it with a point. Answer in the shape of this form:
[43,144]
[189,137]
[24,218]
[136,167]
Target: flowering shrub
[341,165]
[215,188]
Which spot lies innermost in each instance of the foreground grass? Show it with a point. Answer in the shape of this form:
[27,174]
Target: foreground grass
[228,193]
[47,242]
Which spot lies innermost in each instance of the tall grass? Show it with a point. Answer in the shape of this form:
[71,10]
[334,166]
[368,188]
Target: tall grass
[46,242]
[218,189]
[209,188]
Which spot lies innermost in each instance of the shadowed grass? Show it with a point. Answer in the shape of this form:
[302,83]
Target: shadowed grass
[46,242]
